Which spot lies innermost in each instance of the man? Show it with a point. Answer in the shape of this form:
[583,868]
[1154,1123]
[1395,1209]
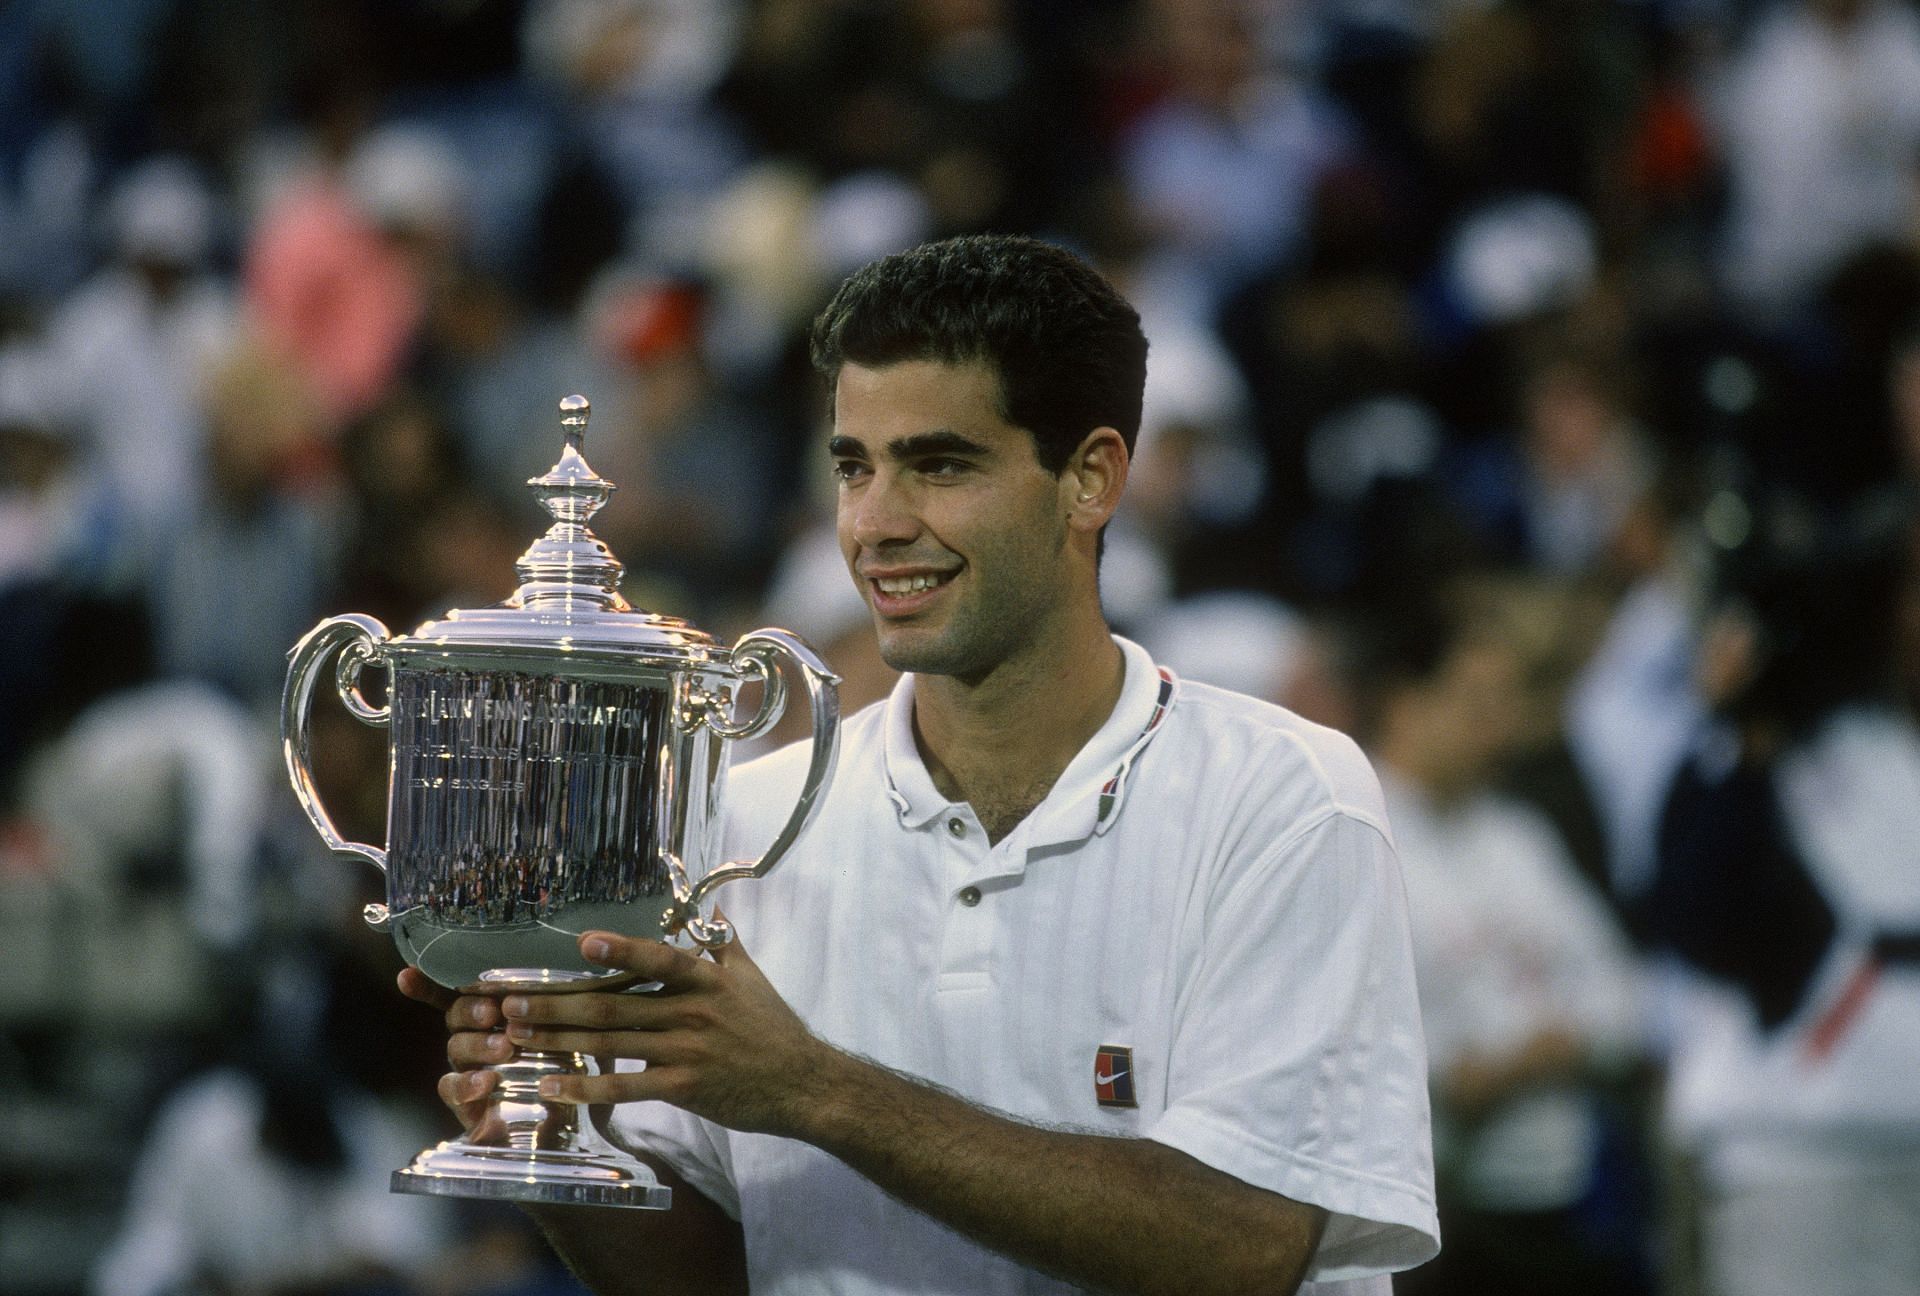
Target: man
[1081,978]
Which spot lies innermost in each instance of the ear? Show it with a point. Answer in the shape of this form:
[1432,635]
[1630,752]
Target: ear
[1094,480]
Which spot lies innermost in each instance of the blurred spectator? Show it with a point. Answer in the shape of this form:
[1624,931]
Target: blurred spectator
[1527,989]
[134,347]
[59,540]
[44,206]
[1820,122]
[696,464]
[495,370]
[1195,467]
[1788,883]
[237,585]
[638,75]
[342,264]
[400,466]
[1518,258]
[162,787]
[48,504]
[935,99]
[269,1173]
[1635,708]
[1559,496]
[1222,169]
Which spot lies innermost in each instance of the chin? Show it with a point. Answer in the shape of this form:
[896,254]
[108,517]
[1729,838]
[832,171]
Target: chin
[922,653]
[906,656]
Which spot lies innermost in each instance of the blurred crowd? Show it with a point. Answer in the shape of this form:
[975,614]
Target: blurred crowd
[1534,394]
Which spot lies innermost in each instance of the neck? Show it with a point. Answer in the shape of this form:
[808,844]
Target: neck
[999,742]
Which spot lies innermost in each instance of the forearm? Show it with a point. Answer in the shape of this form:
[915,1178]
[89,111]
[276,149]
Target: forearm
[1124,1215]
[1113,1214]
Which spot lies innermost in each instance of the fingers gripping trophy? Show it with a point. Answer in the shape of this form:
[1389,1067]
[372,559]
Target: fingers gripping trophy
[556,766]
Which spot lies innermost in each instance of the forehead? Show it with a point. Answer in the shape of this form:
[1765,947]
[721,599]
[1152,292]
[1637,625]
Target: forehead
[881,403]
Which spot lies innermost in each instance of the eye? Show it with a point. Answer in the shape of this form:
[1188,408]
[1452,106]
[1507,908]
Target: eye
[847,470]
[943,467]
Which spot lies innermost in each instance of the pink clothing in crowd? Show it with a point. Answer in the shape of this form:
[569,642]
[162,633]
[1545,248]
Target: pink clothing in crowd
[335,293]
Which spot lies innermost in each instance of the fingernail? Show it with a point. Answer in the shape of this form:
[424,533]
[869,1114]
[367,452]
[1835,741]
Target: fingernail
[514,1006]
[550,1088]
[520,1031]
[598,949]
[497,1041]
[475,1085]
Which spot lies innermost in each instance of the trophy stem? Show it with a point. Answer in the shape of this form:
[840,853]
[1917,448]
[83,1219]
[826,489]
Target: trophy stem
[531,1122]
[534,1150]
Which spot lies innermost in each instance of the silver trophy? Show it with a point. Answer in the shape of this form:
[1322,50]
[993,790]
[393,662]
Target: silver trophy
[556,766]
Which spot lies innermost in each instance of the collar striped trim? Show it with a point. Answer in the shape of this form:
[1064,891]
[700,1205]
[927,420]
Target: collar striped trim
[1114,792]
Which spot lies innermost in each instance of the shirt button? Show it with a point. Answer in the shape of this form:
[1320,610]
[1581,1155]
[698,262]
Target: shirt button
[957,826]
[970,897]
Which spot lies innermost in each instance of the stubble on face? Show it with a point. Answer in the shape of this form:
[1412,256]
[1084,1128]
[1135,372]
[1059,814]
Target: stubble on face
[996,619]
[993,520]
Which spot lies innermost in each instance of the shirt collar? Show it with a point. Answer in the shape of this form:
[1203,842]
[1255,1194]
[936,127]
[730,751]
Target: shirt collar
[1087,797]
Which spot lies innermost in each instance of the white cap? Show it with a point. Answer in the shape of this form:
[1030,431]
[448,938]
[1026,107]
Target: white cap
[1375,439]
[161,211]
[1522,256]
[410,176]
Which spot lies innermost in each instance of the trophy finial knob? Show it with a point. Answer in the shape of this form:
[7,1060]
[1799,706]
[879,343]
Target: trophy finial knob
[575,410]
[570,564]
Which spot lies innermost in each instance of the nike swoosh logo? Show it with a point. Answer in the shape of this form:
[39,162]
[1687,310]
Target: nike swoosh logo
[1107,1079]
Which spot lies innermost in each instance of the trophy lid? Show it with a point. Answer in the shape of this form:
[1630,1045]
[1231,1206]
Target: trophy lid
[569,596]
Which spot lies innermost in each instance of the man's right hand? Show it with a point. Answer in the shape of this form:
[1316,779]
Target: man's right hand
[694,1249]
[476,1043]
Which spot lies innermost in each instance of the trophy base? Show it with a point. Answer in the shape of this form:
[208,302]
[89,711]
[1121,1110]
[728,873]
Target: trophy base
[458,1168]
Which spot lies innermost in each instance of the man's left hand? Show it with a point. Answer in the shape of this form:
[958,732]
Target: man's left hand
[717,1038]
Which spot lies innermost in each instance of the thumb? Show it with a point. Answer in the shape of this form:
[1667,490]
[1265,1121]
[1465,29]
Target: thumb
[734,956]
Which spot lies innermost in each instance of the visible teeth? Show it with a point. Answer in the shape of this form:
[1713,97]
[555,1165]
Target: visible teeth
[906,584]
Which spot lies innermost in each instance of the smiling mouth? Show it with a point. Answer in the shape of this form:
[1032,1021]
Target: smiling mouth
[903,586]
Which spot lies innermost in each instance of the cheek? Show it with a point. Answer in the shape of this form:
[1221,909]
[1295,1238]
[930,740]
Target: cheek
[843,533]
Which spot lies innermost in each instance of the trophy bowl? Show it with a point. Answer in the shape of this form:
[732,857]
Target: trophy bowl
[556,765]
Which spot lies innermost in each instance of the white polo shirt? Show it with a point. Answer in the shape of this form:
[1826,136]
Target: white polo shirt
[1209,886]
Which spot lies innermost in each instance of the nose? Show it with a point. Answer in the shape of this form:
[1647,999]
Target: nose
[879,513]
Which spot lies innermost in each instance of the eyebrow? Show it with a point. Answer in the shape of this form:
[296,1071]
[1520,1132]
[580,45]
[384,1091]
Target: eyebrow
[921,445]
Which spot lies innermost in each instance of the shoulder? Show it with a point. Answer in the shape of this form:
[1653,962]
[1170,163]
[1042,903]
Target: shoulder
[1320,767]
[1268,762]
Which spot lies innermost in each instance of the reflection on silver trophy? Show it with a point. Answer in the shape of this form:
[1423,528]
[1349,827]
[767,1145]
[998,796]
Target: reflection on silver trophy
[557,763]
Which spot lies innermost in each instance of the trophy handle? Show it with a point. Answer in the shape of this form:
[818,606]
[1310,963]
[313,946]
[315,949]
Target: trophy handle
[758,653]
[358,639]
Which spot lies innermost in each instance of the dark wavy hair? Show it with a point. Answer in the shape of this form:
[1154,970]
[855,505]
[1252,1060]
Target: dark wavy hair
[1066,348]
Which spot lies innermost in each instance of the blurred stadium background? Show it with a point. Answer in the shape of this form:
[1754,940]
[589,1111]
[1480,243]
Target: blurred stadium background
[1534,393]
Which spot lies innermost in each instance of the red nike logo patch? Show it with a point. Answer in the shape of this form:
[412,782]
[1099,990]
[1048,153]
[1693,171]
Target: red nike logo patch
[1113,1076]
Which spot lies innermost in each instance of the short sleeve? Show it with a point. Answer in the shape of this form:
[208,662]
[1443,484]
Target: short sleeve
[1299,1065]
[696,1149]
